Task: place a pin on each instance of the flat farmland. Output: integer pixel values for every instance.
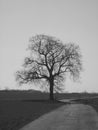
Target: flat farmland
(17, 108)
(15, 114)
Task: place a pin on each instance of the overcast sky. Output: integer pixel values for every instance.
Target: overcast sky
(69, 20)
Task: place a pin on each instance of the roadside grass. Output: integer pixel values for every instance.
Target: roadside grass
(14, 114)
(89, 101)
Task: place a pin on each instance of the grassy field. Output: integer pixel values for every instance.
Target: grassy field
(37, 95)
(15, 114)
(18, 108)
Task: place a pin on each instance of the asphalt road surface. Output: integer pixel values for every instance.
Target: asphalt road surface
(67, 117)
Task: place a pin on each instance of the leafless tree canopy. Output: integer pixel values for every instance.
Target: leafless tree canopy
(50, 60)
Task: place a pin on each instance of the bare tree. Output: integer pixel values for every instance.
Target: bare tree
(49, 61)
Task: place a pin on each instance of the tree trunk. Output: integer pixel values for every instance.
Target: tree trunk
(51, 90)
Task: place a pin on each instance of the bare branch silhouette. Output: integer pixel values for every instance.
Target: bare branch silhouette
(49, 61)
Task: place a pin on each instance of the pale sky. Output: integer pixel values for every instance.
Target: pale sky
(69, 20)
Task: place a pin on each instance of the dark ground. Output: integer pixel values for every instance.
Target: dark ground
(18, 108)
(15, 114)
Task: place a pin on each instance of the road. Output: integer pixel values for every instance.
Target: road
(67, 117)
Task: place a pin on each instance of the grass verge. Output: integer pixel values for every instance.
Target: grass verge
(15, 114)
(89, 101)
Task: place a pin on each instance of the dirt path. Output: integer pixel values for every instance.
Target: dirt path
(67, 117)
